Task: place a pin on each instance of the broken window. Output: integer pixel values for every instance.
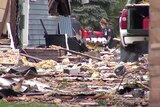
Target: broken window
(59, 7)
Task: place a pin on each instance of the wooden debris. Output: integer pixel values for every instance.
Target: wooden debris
(94, 84)
(9, 57)
(29, 56)
(74, 52)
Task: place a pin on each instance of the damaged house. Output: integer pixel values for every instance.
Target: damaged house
(20, 23)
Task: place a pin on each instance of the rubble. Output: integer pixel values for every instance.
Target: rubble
(9, 57)
(86, 82)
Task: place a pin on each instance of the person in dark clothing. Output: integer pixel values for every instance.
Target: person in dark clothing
(77, 32)
(107, 33)
(76, 26)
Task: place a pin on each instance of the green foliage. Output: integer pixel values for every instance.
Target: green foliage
(89, 14)
(7, 104)
(115, 13)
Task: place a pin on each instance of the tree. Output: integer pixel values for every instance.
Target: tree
(114, 13)
(89, 14)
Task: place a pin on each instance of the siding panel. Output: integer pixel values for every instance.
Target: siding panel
(65, 26)
(35, 37)
(35, 6)
(39, 2)
(39, 10)
(54, 22)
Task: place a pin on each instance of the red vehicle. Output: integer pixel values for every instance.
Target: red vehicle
(88, 34)
(98, 33)
(93, 36)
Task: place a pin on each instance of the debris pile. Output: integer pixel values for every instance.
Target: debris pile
(9, 57)
(86, 82)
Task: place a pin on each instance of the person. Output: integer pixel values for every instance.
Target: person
(77, 32)
(76, 27)
(107, 33)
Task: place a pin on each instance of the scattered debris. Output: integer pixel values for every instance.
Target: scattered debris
(87, 81)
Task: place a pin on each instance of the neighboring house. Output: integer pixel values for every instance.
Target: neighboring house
(25, 18)
(39, 9)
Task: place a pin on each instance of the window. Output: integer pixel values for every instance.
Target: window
(59, 7)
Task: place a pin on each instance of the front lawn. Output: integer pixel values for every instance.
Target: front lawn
(8, 104)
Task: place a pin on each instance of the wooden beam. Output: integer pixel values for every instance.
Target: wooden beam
(4, 9)
(77, 53)
(13, 16)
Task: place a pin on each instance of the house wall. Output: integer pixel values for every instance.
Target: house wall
(154, 53)
(38, 9)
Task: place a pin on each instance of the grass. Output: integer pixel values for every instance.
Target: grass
(8, 104)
